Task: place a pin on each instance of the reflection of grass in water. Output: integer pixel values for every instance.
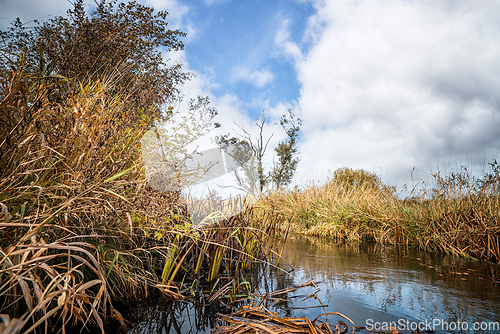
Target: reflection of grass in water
(167, 316)
(459, 215)
(395, 277)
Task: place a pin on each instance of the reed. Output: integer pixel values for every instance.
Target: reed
(257, 317)
(459, 214)
(79, 225)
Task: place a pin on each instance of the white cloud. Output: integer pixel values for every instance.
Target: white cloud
(258, 78)
(175, 10)
(283, 42)
(392, 84)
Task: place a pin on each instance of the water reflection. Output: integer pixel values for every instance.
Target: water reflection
(170, 317)
(368, 283)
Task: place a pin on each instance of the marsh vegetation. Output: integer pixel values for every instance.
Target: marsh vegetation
(457, 214)
(81, 228)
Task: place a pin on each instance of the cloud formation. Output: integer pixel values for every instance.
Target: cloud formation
(393, 84)
(258, 78)
(283, 41)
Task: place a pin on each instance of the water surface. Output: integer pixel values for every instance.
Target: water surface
(375, 286)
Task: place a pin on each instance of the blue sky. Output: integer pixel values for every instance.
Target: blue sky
(383, 85)
(234, 45)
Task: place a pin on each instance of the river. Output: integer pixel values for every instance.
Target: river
(375, 286)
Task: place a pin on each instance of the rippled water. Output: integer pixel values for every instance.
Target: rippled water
(376, 287)
(370, 284)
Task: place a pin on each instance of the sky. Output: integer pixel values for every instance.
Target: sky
(389, 86)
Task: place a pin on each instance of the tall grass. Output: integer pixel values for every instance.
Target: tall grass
(458, 214)
(79, 226)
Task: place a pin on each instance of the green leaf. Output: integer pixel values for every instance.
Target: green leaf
(120, 174)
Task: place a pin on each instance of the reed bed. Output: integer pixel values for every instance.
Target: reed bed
(459, 214)
(79, 226)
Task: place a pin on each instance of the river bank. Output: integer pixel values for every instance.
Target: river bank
(456, 215)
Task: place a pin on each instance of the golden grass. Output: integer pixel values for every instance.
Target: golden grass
(458, 215)
(79, 226)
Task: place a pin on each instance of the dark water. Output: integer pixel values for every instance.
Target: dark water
(376, 287)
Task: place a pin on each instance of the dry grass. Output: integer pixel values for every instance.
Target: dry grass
(53, 279)
(261, 320)
(257, 318)
(458, 215)
(79, 226)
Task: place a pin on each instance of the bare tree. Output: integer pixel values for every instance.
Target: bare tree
(249, 153)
